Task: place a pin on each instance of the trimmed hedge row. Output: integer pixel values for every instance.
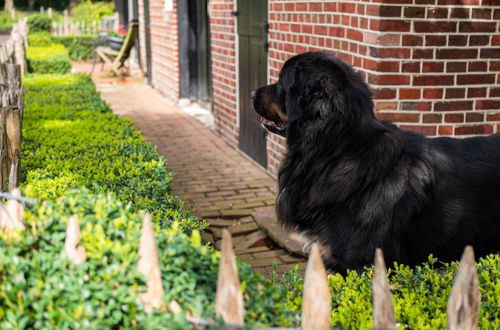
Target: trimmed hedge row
(48, 59)
(71, 139)
(79, 47)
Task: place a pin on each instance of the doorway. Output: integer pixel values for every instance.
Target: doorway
(194, 51)
(252, 60)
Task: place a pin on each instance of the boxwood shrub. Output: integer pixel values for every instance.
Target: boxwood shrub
(39, 22)
(71, 139)
(48, 59)
(6, 21)
(79, 47)
(40, 39)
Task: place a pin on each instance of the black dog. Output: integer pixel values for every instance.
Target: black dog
(353, 183)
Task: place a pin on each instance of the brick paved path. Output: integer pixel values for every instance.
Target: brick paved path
(225, 186)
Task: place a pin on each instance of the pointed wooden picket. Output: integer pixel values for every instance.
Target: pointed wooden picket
(383, 311)
(75, 252)
(12, 212)
(228, 299)
(316, 303)
(465, 299)
(149, 266)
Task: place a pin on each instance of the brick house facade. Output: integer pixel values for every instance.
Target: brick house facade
(433, 65)
(164, 48)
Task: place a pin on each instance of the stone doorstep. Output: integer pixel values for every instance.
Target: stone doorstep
(266, 219)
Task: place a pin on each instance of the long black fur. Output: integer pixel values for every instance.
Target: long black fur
(354, 183)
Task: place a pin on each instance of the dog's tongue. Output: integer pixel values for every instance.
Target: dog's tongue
(268, 122)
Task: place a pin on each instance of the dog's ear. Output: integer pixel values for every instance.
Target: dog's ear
(314, 101)
(325, 98)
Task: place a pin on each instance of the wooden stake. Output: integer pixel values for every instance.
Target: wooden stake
(12, 213)
(149, 266)
(316, 303)
(383, 311)
(465, 299)
(75, 253)
(228, 299)
(12, 113)
(66, 19)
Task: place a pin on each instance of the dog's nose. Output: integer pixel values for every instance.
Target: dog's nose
(253, 94)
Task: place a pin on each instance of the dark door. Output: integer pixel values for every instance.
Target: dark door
(194, 50)
(252, 33)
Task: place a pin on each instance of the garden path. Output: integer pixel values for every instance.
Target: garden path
(225, 187)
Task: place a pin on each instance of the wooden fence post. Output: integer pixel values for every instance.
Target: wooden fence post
(316, 303)
(465, 299)
(12, 110)
(66, 19)
(20, 52)
(76, 253)
(149, 266)
(228, 298)
(383, 311)
(49, 12)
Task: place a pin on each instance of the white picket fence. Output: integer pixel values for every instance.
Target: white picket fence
(66, 28)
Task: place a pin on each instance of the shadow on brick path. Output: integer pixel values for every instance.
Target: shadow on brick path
(225, 186)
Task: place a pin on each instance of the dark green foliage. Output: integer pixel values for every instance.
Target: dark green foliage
(71, 139)
(54, 4)
(89, 11)
(79, 47)
(39, 23)
(48, 59)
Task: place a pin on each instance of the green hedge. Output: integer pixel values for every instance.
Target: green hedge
(71, 139)
(6, 21)
(48, 59)
(39, 22)
(79, 47)
(40, 39)
(42, 289)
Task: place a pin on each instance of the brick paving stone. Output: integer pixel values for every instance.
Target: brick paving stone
(253, 250)
(264, 262)
(224, 185)
(243, 228)
(269, 254)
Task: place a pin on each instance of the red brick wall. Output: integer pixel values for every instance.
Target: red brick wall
(433, 65)
(224, 69)
(164, 48)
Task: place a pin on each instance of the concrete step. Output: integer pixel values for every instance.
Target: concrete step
(267, 221)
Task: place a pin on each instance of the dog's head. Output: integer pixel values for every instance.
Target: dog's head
(315, 92)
